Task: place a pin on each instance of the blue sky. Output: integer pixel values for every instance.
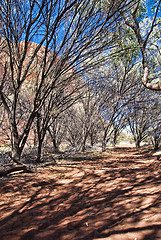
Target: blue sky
(150, 4)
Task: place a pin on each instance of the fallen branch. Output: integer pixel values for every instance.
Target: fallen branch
(15, 169)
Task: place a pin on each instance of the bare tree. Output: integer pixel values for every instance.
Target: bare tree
(55, 104)
(118, 125)
(57, 131)
(83, 121)
(138, 125)
(138, 116)
(90, 118)
(67, 35)
(116, 86)
(155, 134)
(154, 130)
(74, 126)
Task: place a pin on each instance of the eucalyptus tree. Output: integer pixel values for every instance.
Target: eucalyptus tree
(83, 121)
(148, 38)
(74, 125)
(137, 120)
(67, 35)
(58, 101)
(118, 125)
(90, 118)
(57, 131)
(154, 130)
(139, 115)
(4, 127)
(155, 134)
(116, 85)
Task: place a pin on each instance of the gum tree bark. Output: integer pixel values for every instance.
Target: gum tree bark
(134, 25)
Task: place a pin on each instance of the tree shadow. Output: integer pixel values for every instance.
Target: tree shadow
(93, 200)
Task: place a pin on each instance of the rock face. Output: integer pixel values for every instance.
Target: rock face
(34, 70)
(32, 79)
(11, 77)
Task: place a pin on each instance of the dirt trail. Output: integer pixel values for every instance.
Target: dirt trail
(114, 195)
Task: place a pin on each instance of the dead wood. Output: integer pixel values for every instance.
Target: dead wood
(17, 168)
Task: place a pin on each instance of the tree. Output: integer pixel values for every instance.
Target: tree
(90, 118)
(83, 121)
(138, 123)
(67, 35)
(54, 105)
(58, 130)
(115, 84)
(132, 19)
(118, 125)
(154, 130)
(74, 126)
(139, 114)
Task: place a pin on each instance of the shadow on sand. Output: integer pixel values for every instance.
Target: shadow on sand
(108, 197)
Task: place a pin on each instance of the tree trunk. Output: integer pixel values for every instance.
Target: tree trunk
(83, 147)
(39, 150)
(104, 142)
(137, 143)
(18, 142)
(92, 141)
(15, 169)
(16, 150)
(56, 148)
(16, 155)
(16, 158)
(103, 145)
(156, 144)
(115, 137)
(53, 138)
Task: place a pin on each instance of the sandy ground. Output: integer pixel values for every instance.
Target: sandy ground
(114, 195)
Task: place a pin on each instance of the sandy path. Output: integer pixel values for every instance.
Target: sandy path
(114, 195)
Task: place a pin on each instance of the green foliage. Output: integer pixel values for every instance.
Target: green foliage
(142, 11)
(126, 45)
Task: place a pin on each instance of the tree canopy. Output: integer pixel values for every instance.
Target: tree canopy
(56, 54)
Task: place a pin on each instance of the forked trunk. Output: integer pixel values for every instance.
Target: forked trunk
(16, 156)
(83, 147)
(16, 150)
